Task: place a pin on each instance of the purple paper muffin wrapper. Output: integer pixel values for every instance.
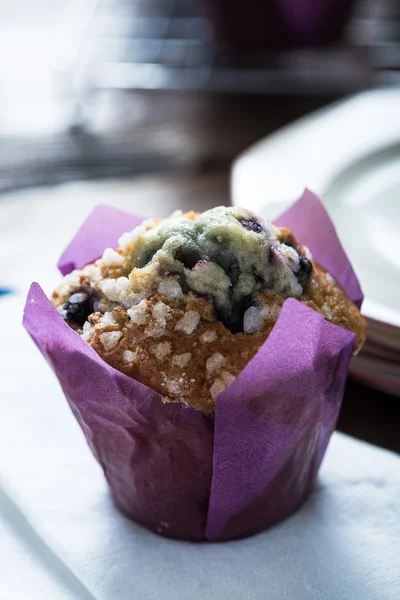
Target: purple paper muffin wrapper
(192, 476)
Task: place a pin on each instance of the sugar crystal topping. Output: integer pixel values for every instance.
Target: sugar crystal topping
(110, 339)
(225, 254)
(189, 322)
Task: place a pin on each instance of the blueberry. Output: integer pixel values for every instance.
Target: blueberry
(188, 255)
(233, 271)
(252, 225)
(80, 305)
(305, 270)
(272, 256)
(145, 258)
(234, 322)
(228, 262)
(247, 302)
(202, 263)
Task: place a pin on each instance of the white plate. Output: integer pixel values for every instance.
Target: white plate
(349, 154)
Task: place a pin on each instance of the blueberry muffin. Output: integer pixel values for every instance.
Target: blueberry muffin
(184, 303)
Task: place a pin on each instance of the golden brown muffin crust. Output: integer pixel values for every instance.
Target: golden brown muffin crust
(194, 367)
(177, 345)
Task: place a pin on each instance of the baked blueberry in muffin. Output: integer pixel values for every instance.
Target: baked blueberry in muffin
(184, 303)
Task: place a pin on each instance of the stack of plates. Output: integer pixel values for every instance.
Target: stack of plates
(349, 154)
(379, 362)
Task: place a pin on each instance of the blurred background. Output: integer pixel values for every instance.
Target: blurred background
(97, 88)
(145, 104)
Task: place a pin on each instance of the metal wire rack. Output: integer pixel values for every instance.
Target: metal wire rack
(169, 45)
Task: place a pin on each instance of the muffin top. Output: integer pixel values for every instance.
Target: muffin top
(184, 303)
